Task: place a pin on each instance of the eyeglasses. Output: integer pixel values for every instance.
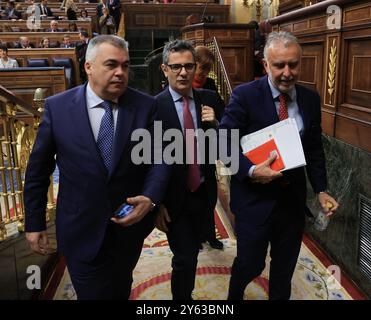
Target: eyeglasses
(177, 67)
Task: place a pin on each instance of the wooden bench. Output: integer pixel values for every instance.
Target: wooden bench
(21, 25)
(23, 54)
(55, 5)
(35, 37)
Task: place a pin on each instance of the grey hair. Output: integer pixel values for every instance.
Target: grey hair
(282, 36)
(177, 46)
(91, 51)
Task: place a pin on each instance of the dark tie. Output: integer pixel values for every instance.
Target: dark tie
(194, 179)
(282, 111)
(105, 135)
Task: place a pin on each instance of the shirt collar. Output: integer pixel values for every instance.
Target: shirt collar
(92, 97)
(276, 92)
(177, 96)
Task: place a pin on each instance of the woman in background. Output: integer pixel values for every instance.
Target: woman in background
(44, 43)
(106, 23)
(84, 15)
(204, 61)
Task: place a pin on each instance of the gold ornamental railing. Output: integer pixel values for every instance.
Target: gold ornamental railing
(19, 122)
(219, 72)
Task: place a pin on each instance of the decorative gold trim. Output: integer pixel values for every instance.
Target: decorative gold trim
(331, 70)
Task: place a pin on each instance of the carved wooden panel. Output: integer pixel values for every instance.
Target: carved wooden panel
(353, 131)
(170, 16)
(357, 15)
(236, 46)
(146, 19)
(23, 83)
(358, 73)
(312, 66)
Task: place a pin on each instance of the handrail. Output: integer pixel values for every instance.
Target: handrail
(18, 125)
(153, 53)
(8, 96)
(302, 12)
(219, 72)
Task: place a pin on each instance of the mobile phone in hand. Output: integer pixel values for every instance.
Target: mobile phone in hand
(123, 210)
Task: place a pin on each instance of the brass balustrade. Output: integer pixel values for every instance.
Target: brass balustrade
(19, 123)
(219, 72)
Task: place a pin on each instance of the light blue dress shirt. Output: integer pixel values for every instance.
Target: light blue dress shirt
(96, 111)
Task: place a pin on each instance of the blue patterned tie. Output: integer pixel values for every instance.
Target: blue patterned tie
(105, 135)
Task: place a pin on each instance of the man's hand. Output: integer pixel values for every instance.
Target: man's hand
(162, 219)
(208, 114)
(328, 203)
(142, 205)
(38, 241)
(263, 173)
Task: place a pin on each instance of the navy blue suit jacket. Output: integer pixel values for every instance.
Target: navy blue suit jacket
(252, 108)
(175, 195)
(88, 194)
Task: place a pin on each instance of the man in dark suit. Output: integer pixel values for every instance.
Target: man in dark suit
(44, 9)
(192, 190)
(270, 206)
(54, 27)
(86, 131)
(11, 13)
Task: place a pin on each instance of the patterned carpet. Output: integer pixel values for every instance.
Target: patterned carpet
(311, 279)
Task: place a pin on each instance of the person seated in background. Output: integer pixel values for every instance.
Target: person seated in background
(84, 15)
(54, 27)
(106, 23)
(11, 13)
(23, 43)
(44, 43)
(72, 27)
(67, 43)
(5, 61)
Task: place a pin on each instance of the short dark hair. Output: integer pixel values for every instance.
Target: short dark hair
(84, 33)
(177, 46)
(4, 48)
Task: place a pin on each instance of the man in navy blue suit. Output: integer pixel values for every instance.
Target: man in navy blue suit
(270, 206)
(192, 190)
(86, 131)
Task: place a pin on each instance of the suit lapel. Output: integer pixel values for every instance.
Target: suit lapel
(269, 108)
(198, 101)
(79, 114)
(125, 119)
(170, 113)
(302, 107)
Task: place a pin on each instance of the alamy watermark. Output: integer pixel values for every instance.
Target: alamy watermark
(159, 146)
(34, 280)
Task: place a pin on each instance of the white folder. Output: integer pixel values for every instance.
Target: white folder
(287, 138)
